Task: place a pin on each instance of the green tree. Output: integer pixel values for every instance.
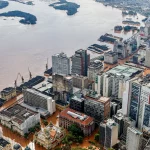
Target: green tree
(96, 138)
(75, 130)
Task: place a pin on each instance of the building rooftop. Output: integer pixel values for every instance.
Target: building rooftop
(33, 91)
(18, 113)
(110, 53)
(50, 132)
(7, 90)
(76, 116)
(111, 123)
(136, 131)
(43, 86)
(61, 55)
(103, 99)
(3, 143)
(125, 70)
(96, 64)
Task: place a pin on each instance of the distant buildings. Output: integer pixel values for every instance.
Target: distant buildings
(69, 116)
(80, 81)
(4, 144)
(19, 119)
(110, 57)
(98, 109)
(147, 58)
(94, 68)
(134, 139)
(8, 93)
(50, 136)
(36, 99)
(108, 133)
(60, 64)
(80, 62)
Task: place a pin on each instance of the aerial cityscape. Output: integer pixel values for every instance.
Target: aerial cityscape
(75, 75)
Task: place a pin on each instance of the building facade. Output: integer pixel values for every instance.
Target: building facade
(94, 68)
(61, 64)
(80, 81)
(134, 139)
(19, 118)
(98, 109)
(50, 136)
(8, 93)
(69, 116)
(36, 99)
(110, 57)
(147, 56)
(80, 62)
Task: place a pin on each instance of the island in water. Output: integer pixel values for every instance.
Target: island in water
(70, 7)
(28, 18)
(3, 4)
(26, 3)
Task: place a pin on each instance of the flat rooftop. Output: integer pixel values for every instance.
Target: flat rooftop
(103, 99)
(125, 70)
(3, 143)
(76, 116)
(18, 113)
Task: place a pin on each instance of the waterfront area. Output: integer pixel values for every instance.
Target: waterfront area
(74, 75)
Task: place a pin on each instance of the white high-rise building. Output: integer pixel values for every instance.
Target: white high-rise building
(113, 82)
(147, 27)
(134, 139)
(111, 137)
(60, 64)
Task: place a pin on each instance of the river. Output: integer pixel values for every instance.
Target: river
(23, 46)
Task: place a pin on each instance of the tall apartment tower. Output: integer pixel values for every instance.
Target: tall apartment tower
(134, 139)
(147, 60)
(60, 64)
(80, 62)
(111, 133)
(147, 27)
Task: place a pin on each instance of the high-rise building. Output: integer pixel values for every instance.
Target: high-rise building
(134, 139)
(63, 87)
(110, 57)
(94, 68)
(147, 27)
(60, 64)
(118, 118)
(98, 109)
(137, 95)
(127, 122)
(80, 62)
(147, 56)
(36, 99)
(80, 81)
(146, 118)
(99, 83)
(111, 133)
(102, 135)
(114, 80)
(77, 103)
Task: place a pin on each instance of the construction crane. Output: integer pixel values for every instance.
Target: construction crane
(17, 79)
(47, 64)
(30, 75)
